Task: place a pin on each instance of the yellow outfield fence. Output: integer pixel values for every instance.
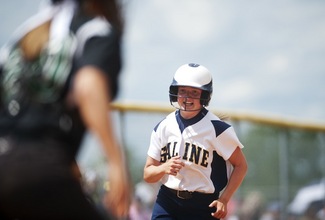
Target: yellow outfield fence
(267, 119)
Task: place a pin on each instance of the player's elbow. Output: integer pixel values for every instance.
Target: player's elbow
(150, 177)
(242, 168)
(147, 177)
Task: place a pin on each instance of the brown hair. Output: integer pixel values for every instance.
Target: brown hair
(110, 9)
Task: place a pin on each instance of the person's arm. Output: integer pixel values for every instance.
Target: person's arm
(238, 161)
(154, 170)
(91, 94)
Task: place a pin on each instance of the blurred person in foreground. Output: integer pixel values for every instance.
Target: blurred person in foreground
(196, 156)
(58, 74)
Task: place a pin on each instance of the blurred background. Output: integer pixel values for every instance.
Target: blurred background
(267, 59)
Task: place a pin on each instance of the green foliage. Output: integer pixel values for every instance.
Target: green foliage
(263, 148)
(262, 154)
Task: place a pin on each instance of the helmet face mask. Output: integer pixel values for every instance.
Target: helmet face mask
(195, 76)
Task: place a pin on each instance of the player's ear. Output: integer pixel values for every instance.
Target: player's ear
(173, 91)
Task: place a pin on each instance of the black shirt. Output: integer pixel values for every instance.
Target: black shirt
(99, 45)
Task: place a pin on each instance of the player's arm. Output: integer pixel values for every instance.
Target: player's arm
(154, 170)
(238, 161)
(92, 95)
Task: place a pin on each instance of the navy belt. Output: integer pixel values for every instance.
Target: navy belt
(184, 194)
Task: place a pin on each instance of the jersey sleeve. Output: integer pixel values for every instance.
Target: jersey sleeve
(156, 144)
(154, 147)
(101, 48)
(227, 142)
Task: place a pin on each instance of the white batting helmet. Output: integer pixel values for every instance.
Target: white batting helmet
(192, 75)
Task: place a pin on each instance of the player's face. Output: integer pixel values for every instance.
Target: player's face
(189, 98)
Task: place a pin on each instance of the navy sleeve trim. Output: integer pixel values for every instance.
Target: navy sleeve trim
(219, 126)
(156, 127)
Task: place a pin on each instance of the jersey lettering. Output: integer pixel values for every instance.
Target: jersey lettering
(187, 145)
(195, 154)
(192, 153)
(166, 152)
(205, 156)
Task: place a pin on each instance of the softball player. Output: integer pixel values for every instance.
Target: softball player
(196, 156)
(58, 74)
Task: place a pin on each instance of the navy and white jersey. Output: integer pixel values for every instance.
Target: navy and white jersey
(204, 143)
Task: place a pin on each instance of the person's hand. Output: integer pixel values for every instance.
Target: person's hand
(118, 197)
(221, 209)
(173, 166)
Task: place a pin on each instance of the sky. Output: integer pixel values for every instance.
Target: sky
(266, 56)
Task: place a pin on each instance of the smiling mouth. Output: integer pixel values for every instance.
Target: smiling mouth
(187, 105)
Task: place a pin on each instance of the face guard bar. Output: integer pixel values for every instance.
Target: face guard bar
(174, 102)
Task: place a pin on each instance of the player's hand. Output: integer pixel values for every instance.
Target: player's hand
(118, 197)
(221, 209)
(174, 165)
